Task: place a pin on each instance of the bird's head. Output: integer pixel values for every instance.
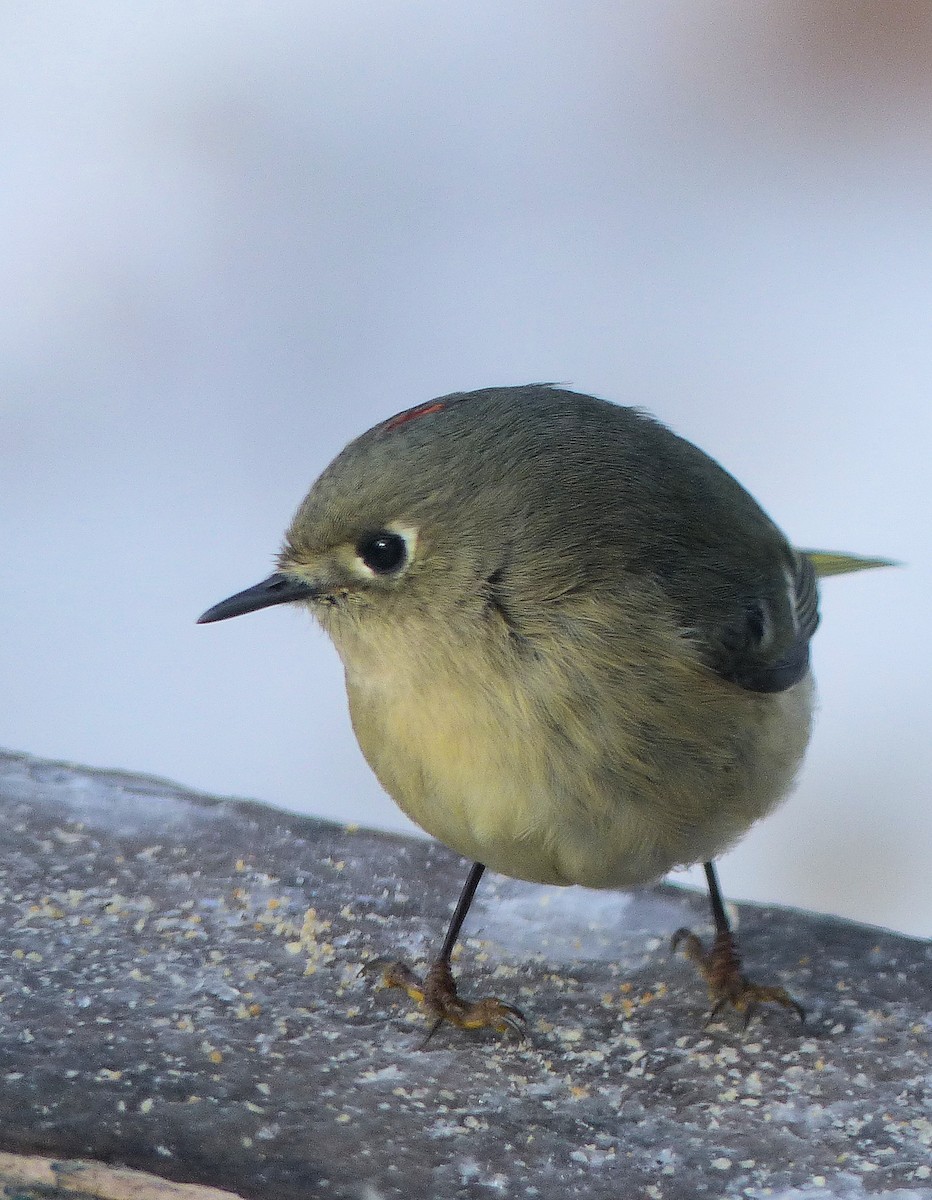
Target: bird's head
(395, 528)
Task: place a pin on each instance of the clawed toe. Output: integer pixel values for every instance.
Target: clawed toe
(728, 986)
(438, 996)
(396, 975)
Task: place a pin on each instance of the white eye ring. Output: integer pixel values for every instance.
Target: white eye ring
(385, 552)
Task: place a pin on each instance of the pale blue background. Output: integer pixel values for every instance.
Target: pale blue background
(236, 234)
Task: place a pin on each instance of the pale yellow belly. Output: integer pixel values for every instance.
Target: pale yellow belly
(481, 773)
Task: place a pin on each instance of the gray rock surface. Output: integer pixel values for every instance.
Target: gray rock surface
(180, 993)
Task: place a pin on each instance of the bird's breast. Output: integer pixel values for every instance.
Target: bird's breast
(548, 773)
(463, 759)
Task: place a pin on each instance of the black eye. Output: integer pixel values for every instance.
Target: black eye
(382, 552)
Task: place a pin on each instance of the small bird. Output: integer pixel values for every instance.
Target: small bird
(576, 649)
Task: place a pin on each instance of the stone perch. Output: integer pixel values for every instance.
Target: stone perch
(184, 1018)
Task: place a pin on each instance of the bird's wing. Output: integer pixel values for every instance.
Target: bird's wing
(764, 645)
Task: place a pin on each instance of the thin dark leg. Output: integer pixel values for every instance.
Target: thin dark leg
(459, 914)
(719, 916)
(721, 966)
(440, 989)
(437, 991)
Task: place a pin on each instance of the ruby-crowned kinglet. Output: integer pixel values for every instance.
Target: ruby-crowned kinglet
(576, 649)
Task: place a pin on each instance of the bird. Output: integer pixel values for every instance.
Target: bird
(576, 650)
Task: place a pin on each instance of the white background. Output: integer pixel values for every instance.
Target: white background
(235, 235)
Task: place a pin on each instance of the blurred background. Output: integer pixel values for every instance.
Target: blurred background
(235, 235)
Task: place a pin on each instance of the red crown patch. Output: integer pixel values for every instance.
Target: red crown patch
(411, 414)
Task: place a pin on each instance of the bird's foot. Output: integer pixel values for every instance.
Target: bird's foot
(721, 969)
(437, 995)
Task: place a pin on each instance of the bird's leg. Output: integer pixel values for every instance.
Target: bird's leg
(437, 994)
(721, 965)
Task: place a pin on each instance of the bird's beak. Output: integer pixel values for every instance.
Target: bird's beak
(277, 589)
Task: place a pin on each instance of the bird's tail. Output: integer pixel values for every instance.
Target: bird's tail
(828, 562)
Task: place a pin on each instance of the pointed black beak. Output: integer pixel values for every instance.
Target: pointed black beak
(277, 589)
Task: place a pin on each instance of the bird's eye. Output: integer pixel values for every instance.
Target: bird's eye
(382, 552)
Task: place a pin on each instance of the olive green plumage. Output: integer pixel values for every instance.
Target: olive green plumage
(576, 649)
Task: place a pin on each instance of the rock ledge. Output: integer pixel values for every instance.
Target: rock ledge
(180, 994)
